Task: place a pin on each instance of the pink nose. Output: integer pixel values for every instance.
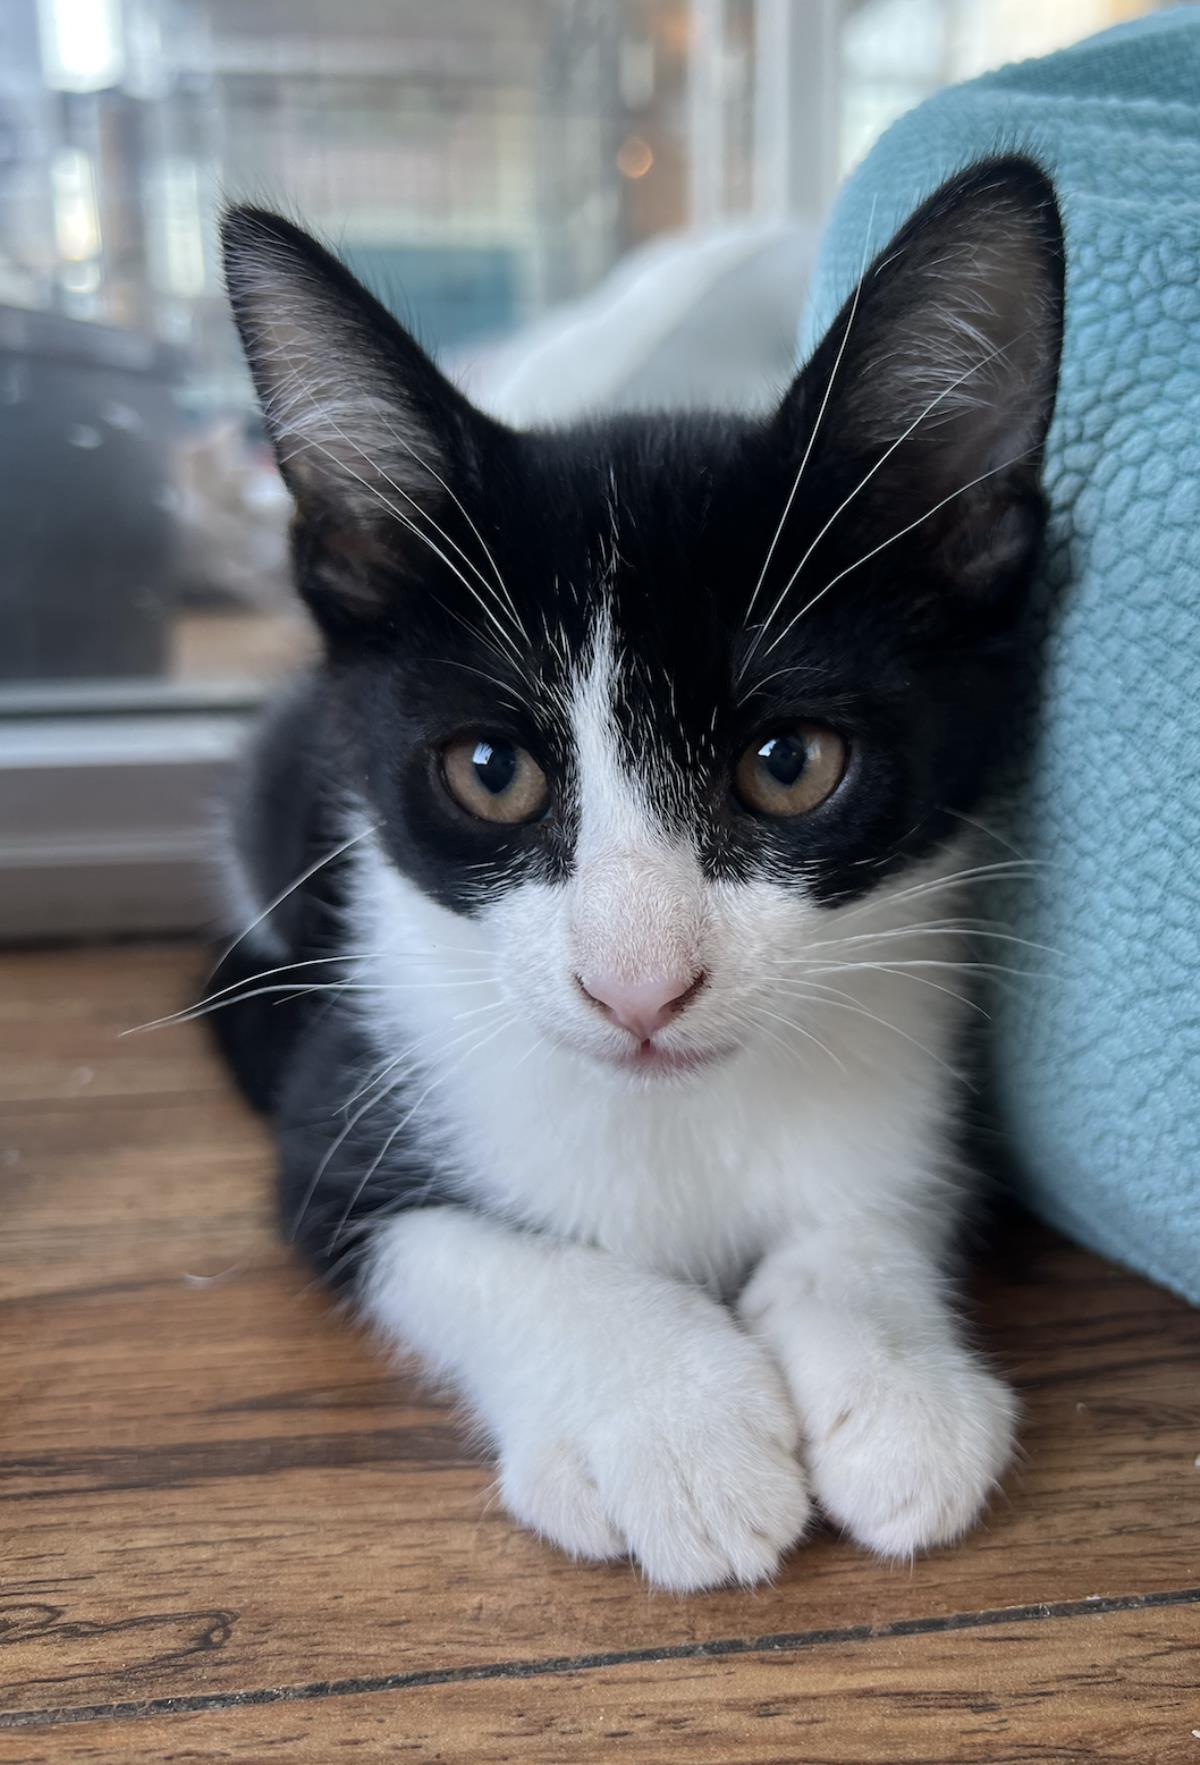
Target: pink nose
(641, 1007)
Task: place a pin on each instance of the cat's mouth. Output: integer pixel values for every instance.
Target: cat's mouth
(650, 1060)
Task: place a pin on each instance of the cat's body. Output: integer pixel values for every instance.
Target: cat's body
(628, 807)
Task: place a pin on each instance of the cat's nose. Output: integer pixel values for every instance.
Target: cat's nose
(641, 1007)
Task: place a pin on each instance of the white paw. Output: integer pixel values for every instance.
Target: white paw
(691, 1468)
(547, 1486)
(909, 1459)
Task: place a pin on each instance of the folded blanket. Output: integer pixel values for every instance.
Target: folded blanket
(1097, 1065)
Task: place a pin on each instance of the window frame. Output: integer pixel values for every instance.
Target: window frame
(111, 820)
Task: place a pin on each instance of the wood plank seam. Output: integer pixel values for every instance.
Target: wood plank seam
(554, 1667)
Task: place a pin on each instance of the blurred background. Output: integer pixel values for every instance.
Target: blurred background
(573, 203)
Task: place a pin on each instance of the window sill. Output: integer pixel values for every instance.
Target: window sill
(110, 823)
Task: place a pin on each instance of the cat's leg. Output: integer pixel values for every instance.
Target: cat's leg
(907, 1431)
(629, 1411)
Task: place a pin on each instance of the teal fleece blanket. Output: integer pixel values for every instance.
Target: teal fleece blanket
(1097, 1064)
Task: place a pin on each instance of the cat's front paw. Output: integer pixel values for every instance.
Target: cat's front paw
(909, 1459)
(699, 1480)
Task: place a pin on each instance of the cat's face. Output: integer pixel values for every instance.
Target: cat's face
(664, 706)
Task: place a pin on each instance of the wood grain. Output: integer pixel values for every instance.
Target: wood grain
(212, 1487)
(1110, 1687)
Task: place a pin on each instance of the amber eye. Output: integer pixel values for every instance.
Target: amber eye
(792, 772)
(494, 779)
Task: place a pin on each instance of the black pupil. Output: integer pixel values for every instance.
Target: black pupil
(495, 766)
(784, 757)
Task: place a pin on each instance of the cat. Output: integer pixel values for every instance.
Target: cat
(614, 865)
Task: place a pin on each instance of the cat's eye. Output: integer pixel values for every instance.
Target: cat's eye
(494, 780)
(791, 772)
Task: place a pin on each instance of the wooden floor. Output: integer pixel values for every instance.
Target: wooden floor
(231, 1532)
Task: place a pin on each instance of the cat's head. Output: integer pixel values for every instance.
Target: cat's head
(658, 703)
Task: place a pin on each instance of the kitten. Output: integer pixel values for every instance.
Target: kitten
(613, 864)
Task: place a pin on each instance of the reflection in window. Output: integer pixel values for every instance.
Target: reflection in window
(476, 164)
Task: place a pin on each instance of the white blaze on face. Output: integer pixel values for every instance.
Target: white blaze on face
(636, 911)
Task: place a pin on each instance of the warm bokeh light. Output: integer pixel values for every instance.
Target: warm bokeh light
(634, 157)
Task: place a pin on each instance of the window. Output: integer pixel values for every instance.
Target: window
(477, 164)
(502, 173)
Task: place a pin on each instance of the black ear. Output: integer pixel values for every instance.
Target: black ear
(941, 369)
(367, 432)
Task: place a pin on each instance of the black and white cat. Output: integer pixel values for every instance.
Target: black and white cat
(613, 863)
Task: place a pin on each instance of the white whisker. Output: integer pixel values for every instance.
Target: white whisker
(300, 989)
(1012, 867)
(433, 1085)
(883, 1022)
(332, 1149)
(886, 455)
(964, 967)
(311, 442)
(450, 662)
(520, 624)
(477, 1010)
(379, 1075)
(883, 545)
(837, 362)
(760, 1010)
(934, 929)
(425, 514)
(812, 978)
(158, 1023)
(511, 651)
(283, 894)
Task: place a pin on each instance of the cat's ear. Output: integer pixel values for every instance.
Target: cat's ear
(939, 374)
(368, 434)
